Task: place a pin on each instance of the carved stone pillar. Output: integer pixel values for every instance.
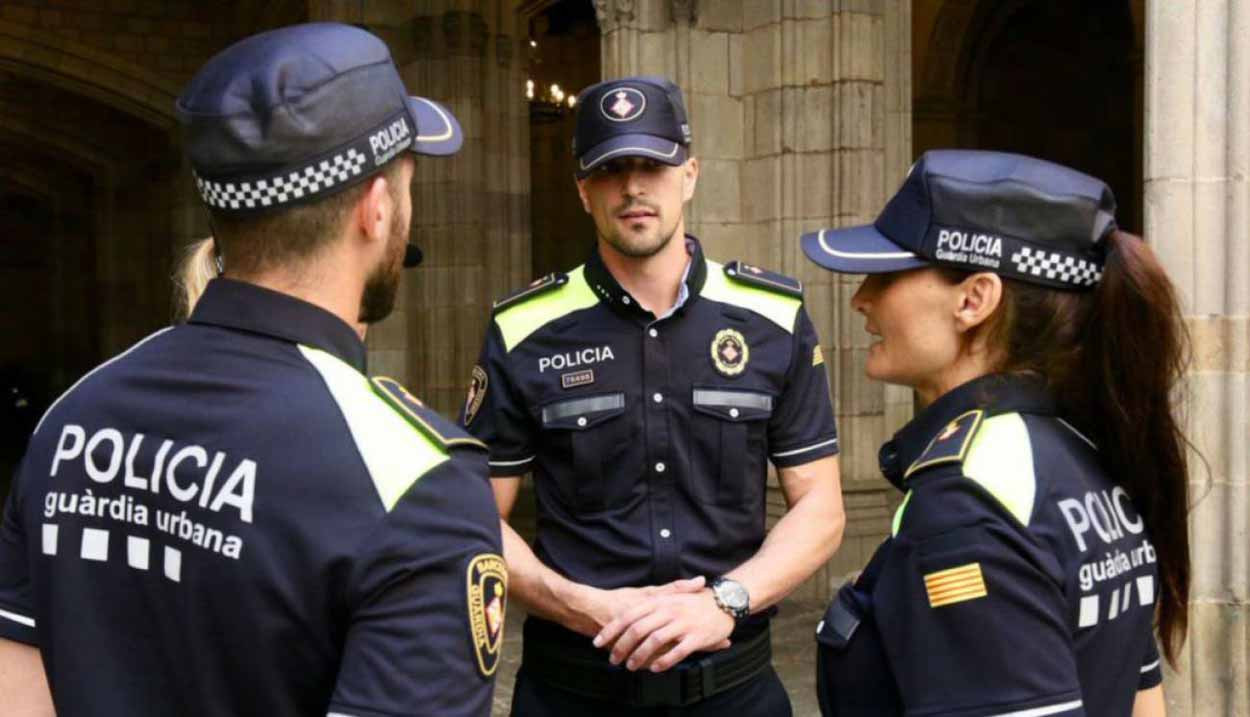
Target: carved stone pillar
(470, 211)
(1197, 216)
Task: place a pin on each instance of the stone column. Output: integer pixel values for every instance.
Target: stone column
(1197, 216)
(470, 211)
(801, 114)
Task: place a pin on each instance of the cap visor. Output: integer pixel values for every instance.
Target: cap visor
(858, 250)
(632, 145)
(438, 132)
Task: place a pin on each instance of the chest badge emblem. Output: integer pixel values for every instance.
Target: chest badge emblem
(730, 352)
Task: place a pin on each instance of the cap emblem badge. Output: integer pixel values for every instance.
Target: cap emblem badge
(730, 352)
(623, 104)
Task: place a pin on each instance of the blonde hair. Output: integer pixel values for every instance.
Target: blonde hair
(197, 267)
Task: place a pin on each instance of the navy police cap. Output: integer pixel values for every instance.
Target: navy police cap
(299, 113)
(1017, 216)
(630, 117)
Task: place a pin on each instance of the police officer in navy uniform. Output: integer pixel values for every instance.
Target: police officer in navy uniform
(231, 518)
(646, 391)
(1042, 532)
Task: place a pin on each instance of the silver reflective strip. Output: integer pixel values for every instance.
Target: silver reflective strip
(1044, 711)
(582, 406)
(21, 619)
(797, 451)
(707, 397)
(338, 714)
(511, 463)
(1148, 668)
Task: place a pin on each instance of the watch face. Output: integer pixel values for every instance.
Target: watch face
(733, 595)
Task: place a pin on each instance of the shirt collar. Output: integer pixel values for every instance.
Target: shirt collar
(995, 393)
(614, 295)
(247, 307)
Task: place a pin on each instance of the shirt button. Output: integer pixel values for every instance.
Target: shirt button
(653, 333)
(581, 421)
(625, 300)
(657, 398)
(659, 467)
(733, 413)
(665, 533)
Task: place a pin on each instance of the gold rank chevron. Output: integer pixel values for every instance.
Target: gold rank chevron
(946, 587)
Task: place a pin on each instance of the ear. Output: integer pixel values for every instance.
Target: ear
(690, 178)
(374, 210)
(581, 193)
(979, 296)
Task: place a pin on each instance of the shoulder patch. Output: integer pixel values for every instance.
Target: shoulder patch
(544, 301)
(539, 286)
(764, 279)
(428, 422)
(487, 590)
(951, 444)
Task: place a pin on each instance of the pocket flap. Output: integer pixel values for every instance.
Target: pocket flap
(841, 620)
(583, 412)
(733, 405)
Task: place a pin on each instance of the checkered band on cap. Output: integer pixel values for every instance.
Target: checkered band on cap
(284, 188)
(1062, 268)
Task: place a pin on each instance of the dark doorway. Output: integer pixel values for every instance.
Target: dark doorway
(1057, 79)
(564, 59)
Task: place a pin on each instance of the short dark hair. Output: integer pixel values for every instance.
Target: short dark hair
(251, 245)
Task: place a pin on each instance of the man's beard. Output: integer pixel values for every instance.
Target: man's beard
(634, 245)
(382, 286)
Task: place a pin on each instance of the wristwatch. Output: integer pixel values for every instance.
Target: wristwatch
(731, 597)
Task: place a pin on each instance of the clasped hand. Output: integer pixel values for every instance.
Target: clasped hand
(658, 627)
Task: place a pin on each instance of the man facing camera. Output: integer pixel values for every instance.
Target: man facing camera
(646, 391)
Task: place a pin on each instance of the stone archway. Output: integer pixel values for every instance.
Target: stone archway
(1059, 80)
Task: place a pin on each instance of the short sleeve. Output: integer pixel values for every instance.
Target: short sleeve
(802, 428)
(427, 603)
(973, 627)
(17, 608)
(1151, 666)
(495, 413)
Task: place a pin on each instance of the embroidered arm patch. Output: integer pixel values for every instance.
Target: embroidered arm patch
(487, 590)
(954, 585)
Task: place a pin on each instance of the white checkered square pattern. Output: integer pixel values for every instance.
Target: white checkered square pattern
(1056, 267)
(284, 188)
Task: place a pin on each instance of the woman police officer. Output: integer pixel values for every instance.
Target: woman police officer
(1043, 528)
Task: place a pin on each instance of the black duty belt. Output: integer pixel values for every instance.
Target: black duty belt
(585, 670)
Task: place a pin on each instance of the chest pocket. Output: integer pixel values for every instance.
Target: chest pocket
(731, 433)
(585, 434)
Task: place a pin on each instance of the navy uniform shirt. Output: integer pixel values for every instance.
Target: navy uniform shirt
(649, 437)
(1019, 578)
(231, 519)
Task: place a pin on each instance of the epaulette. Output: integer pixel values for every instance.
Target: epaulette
(433, 426)
(951, 445)
(537, 287)
(764, 279)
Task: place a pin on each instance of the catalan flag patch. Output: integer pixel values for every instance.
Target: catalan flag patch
(947, 587)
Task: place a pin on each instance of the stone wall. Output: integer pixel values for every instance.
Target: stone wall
(801, 118)
(1197, 211)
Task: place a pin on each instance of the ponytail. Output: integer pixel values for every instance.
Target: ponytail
(1128, 389)
(1114, 358)
(197, 268)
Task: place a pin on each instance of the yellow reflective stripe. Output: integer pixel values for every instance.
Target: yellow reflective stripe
(1000, 459)
(898, 514)
(395, 453)
(517, 322)
(780, 309)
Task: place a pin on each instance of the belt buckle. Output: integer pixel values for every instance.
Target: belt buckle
(661, 689)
